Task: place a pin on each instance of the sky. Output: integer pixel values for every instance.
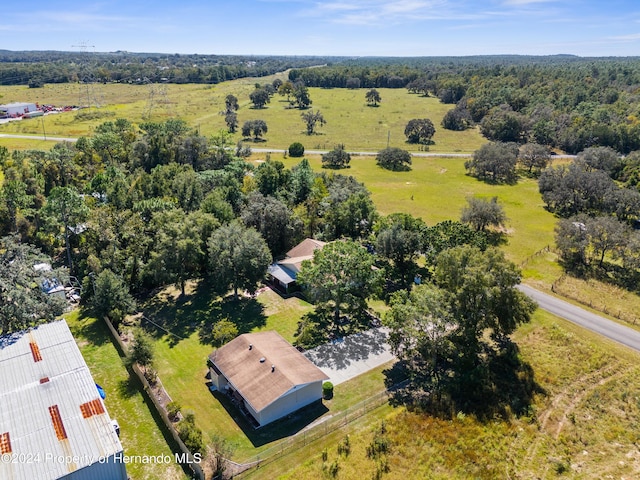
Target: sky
(332, 27)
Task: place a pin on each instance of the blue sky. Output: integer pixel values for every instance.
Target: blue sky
(333, 27)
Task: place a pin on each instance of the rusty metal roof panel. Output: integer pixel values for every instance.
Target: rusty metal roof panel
(45, 420)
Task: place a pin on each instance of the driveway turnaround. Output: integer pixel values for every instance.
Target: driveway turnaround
(348, 357)
(596, 323)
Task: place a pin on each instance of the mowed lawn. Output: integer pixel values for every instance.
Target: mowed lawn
(181, 365)
(182, 362)
(139, 432)
(350, 121)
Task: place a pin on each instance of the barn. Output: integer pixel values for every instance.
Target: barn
(54, 422)
(266, 375)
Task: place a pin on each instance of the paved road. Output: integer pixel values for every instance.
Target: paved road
(38, 137)
(605, 327)
(365, 153)
(280, 150)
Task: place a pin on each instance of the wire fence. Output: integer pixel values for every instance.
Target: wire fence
(315, 432)
(542, 251)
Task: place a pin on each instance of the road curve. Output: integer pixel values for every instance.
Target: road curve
(596, 323)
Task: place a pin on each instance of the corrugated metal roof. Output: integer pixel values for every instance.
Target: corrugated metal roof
(281, 273)
(46, 419)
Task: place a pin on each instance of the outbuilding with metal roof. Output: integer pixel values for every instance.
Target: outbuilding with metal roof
(53, 423)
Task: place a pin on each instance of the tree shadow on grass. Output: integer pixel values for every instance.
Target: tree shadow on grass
(282, 428)
(127, 388)
(91, 328)
(245, 313)
(178, 315)
(198, 311)
(502, 386)
(496, 238)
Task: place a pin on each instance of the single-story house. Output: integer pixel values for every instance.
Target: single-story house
(53, 418)
(266, 374)
(283, 273)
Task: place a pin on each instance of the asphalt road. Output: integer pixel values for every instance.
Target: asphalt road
(279, 150)
(605, 327)
(38, 137)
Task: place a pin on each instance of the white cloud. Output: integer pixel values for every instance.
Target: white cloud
(627, 38)
(380, 12)
(519, 3)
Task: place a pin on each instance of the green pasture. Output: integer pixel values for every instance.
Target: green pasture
(436, 189)
(139, 432)
(350, 121)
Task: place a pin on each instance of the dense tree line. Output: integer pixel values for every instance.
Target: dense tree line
(146, 205)
(565, 102)
(139, 206)
(23, 67)
(598, 204)
(136, 207)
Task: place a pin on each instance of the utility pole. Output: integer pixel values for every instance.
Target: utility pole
(84, 74)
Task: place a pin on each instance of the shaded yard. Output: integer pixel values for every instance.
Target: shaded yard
(139, 432)
(181, 362)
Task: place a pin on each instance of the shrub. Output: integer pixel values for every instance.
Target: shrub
(223, 331)
(173, 409)
(327, 390)
(379, 446)
(333, 468)
(344, 447)
(336, 158)
(296, 149)
(190, 434)
(142, 349)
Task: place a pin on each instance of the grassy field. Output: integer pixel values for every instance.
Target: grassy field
(436, 189)
(583, 426)
(138, 430)
(349, 120)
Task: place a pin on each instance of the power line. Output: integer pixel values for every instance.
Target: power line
(91, 96)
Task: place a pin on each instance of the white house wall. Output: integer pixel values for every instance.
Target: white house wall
(218, 380)
(291, 401)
